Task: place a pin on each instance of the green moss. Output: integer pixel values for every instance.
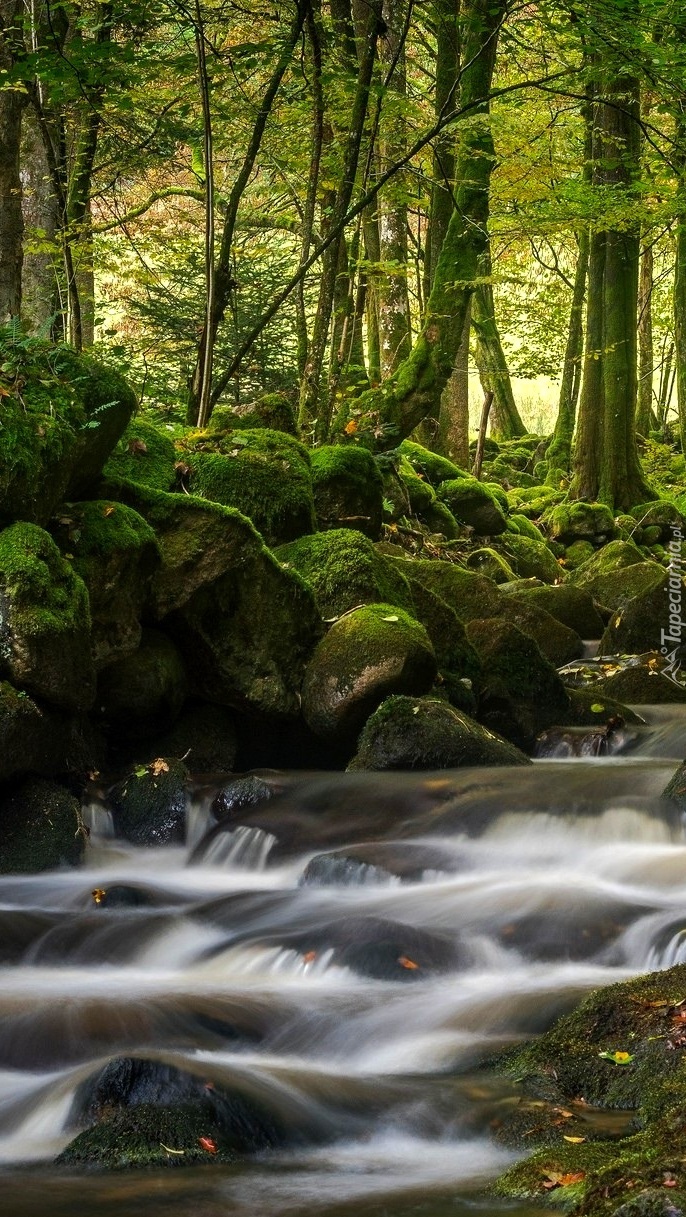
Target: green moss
(40, 828)
(574, 521)
(264, 474)
(355, 464)
(441, 520)
(533, 501)
(454, 652)
(530, 558)
(344, 570)
(421, 494)
(272, 410)
(348, 488)
(95, 530)
(435, 468)
(578, 553)
(144, 454)
(569, 605)
(468, 594)
(488, 562)
(526, 528)
(473, 503)
(137, 1137)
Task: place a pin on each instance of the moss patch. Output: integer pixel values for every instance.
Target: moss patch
(41, 829)
(144, 454)
(344, 570)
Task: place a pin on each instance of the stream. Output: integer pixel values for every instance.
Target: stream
(280, 959)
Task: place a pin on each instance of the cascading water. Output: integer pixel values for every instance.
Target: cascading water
(346, 958)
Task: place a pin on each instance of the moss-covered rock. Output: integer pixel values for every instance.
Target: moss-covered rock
(367, 655)
(530, 558)
(263, 474)
(580, 521)
(37, 740)
(348, 489)
(149, 806)
(244, 625)
(569, 605)
(454, 653)
(589, 710)
(344, 570)
(616, 588)
(141, 694)
(440, 519)
(144, 454)
(578, 553)
(521, 693)
(616, 1051)
(40, 828)
(61, 416)
(420, 492)
(660, 520)
(45, 620)
(641, 685)
(489, 563)
(639, 625)
(145, 1113)
(272, 410)
(427, 733)
(115, 552)
(533, 501)
(474, 504)
(612, 557)
(434, 468)
(525, 527)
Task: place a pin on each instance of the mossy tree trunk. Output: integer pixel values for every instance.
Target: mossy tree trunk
(559, 452)
(606, 459)
(680, 281)
(12, 103)
(446, 14)
(415, 389)
(491, 360)
(40, 298)
(453, 420)
(645, 415)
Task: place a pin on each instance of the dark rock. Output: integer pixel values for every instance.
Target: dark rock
(642, 621)
(149, 806)
(425, 733)
(455, 654)
(521, 693)
(675, 790)
(384, 950)
(610, 739)
(141, 695)
(348, 489)
(376, 862)
(44, 620)
(240, 795)
(368, 654)
(40, 828)
(344, 570)
(114, 551)
(616, 588)
(204, 736)
(474, 504)
(587, 710)
(34, 739)
(641, 686)
(571, 606)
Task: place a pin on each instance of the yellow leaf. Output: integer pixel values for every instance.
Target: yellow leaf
(574, 1140)
(351, 427)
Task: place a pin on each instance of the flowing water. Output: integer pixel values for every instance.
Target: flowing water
(280, 959)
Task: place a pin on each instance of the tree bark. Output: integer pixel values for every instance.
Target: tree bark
(645, 415)
(559, 452)
(446, 15)
(12, 102)
(453, 420)
(395, 337)
(40, 299)
(680, 283)
(491, 361)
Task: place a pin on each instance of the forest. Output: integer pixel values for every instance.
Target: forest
(352, 205)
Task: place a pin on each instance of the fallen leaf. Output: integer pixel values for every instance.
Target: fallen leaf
(157, 767)
(136, 446)
(394, 617)
(574, 1140)
(617, 1058)
(208, 1144)
(351, 427)
(597, 707)
(108, 511)
(309, 956)
(169, 1149)
(98, 894)
(408, 963)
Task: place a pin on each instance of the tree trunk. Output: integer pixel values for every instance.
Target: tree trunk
(394, 302)
(416, 386)
(645, 415)
(12, 103)
(453, 420)
(680, 283)
(559, 452)
(491, 361)
(446, 17)
(591, 405)
(40, 298)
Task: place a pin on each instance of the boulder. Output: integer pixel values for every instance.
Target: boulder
(368, 654)
(40, 828)
(571, 606)
(144, 455)
(426, 733)
(530, 558)
(348, 489)
(521, 693)
(244, 625)
(45, 620)
(114, 551)
(640, 624)
(580, 521)
(149, 806)
(489, 563)
(381, 949)
(641, 685)
(35, 739)
(62, 414)
(344, 570)
(440, 519)
(430, 465)
(578, 553)
(454, 652)
(263, 474)
(661, 519)
(675, 790)
(525, 527)
(420, 492)
(272, 410)
(618, 588)
(474, 504)
(141, 695)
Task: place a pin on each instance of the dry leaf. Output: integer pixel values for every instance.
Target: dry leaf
(351, 427)
(208, 1144)
(108, 511)
(574, 1140)
(157, 767)
(309, 956)
(408, 963)
(98, 894)
(136, 446)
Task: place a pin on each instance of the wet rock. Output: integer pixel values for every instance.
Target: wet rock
(348, 489)
(140, 695)
(474, 504)
(58, 432)
(140, 1111)
(455, 655)
(240, 795)
(344, 570)
(149, 806)
(122, 896)
(425, 733)
(571, 606)
(114, 551)
(367, 655)
(521, 693)
(383, 950)
(641, 685)
(675, 790)
(608, 739)
(580, 521)
(588, 710)
(144, 455)
(377, 862)
(263, 474)
(40, 828)
(45, 620)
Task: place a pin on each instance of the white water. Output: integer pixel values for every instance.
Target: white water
(540, 883)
